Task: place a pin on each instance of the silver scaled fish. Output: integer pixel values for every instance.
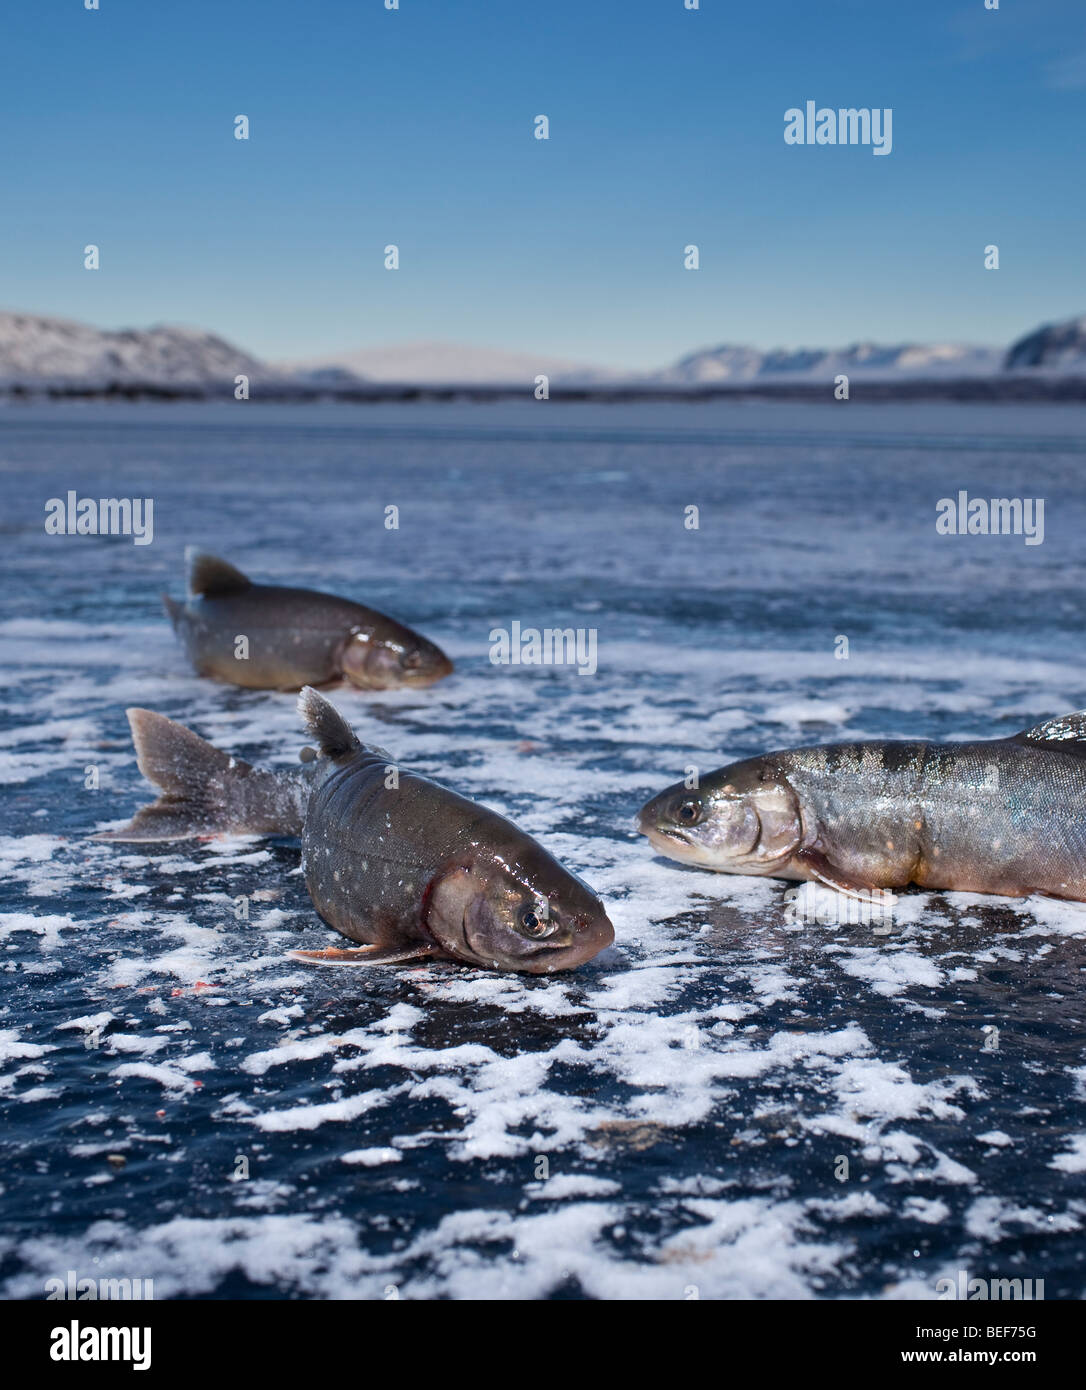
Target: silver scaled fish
(1004, 816)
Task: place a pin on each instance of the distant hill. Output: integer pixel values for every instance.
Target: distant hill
(59, 356)
(449, 363)
(1055, 346)
(37, 352)
(742, 364)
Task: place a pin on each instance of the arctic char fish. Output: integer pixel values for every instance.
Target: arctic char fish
(1007, 816)
(271, 638)
(394, 861)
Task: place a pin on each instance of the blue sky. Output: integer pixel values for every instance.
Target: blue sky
(666, 128)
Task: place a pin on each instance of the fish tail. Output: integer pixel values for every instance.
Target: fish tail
(204, 790)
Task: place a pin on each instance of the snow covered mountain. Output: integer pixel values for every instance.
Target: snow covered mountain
(1056, 346)
(37, 351)
(741, 364)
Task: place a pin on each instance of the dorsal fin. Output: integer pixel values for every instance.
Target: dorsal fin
(212, 577)
(1067, 733)
(331, 732)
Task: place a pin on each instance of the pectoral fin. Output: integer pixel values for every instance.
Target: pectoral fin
(827, 873)
(365, 955)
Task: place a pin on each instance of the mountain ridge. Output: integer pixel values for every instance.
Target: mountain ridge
(40, 352)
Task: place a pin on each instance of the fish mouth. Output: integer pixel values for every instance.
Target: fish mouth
(431, 674)
(398, 680)
(646, 822)
(418, 677)
(673, 842)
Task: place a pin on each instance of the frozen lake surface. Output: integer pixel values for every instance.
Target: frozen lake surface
(671, 1119)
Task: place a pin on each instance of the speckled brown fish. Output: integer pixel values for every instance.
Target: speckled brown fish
(394, 861)
(271, 638)
(1007, 816)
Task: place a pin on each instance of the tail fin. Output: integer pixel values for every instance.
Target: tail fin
(334, 736)
(204, 790)
(209, 575)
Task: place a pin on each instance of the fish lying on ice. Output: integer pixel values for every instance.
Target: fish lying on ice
(271, 638)
(1006, 816)
(410, 869)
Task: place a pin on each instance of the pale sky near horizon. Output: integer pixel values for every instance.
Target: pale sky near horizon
(415, 127)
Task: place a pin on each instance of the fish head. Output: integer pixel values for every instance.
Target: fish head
(744, 819)
(513, 916)
(390, 657)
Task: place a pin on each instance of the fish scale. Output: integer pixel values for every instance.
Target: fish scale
(1003, 816)
(266, 637)
(402, 865)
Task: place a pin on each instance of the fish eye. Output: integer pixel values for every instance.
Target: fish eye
(411, 659)
(532, 922)
(688, 811)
